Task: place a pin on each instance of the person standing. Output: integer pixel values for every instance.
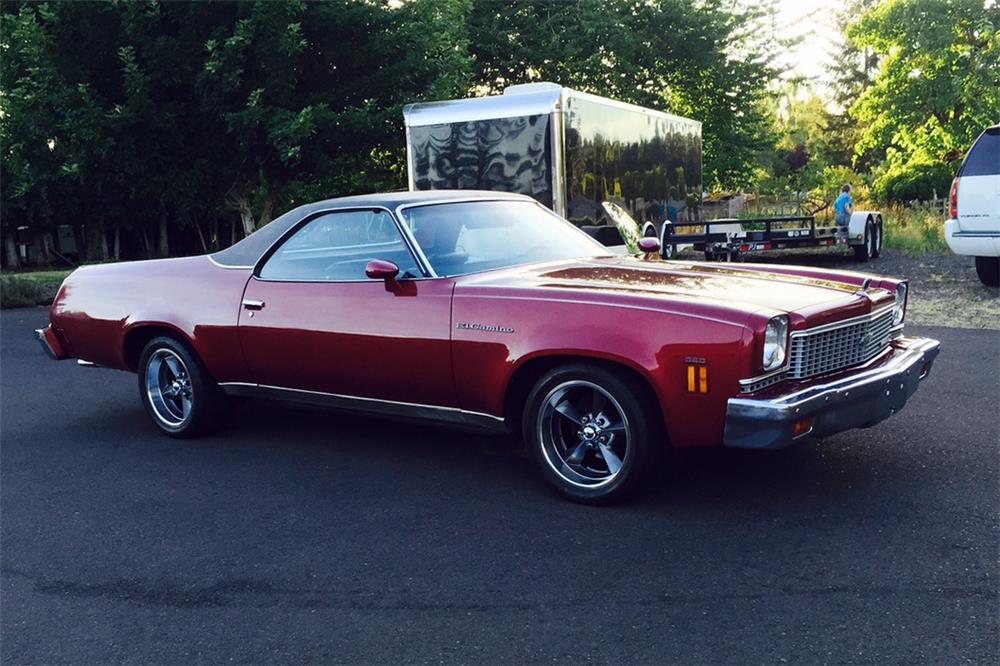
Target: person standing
(844, 205)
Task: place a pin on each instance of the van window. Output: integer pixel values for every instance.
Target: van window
(984, 157)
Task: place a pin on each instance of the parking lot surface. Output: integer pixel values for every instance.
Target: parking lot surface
(304, 536)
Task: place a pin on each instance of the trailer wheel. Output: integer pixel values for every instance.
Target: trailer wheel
(866, 251)
(879, 236)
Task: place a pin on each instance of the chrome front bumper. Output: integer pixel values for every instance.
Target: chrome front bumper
(856, 400)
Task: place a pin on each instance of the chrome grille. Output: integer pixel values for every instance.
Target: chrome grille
(835, 347)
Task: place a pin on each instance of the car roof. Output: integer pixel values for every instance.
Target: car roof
(393, 200)
(248, 251)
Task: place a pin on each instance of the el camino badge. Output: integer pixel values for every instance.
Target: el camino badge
(483, 327)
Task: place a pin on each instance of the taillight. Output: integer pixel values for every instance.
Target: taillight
(953, 208)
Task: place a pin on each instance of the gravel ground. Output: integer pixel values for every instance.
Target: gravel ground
(944, 289)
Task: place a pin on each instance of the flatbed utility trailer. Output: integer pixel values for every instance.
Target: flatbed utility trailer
(730, 239)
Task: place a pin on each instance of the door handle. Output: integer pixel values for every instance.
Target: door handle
(253, 305)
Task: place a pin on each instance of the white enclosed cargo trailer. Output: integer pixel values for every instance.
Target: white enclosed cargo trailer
(571, 151)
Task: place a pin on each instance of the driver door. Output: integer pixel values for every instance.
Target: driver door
(312, 321)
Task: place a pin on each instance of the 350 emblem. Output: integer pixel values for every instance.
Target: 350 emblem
(483, 327)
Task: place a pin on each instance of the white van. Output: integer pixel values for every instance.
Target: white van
(973, 227)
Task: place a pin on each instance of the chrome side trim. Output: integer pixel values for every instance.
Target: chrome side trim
(976, 234)
(376, 406)
(209, 256)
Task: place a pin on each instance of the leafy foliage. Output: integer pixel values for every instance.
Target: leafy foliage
(937, 88)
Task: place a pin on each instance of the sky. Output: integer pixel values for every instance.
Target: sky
(814, 21)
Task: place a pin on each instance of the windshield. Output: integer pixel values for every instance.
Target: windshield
(475, 236)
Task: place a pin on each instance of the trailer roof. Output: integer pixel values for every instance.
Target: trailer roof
(521, 100)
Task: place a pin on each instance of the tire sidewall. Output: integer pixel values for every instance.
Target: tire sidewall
(639, 413)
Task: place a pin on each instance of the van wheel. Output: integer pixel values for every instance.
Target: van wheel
(866, 251)
(988, 270)
(177, 392)
(592, 432)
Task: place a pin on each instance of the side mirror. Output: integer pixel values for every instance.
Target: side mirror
(379, 269)
(649, 246)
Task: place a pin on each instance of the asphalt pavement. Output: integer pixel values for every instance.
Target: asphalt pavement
(305, 536)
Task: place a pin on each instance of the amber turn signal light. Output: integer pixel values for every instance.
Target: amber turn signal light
(697, 376)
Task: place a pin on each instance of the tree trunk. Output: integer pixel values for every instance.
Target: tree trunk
(80, 236)
(232, 233)
(201, 236)
(42, 247)
(164, 245)
(10, 245)
(214, 232)
(118, 242)
(104, 240)
(145, 245)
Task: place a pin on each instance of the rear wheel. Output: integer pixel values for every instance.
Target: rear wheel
(177, 391)
(866, 251)
(592, 432)
(988, 270)
(877, 251)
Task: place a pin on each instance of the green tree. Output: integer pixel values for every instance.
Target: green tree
(694, 58)
(937, 87)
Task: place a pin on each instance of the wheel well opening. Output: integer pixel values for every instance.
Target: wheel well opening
(528, 374)
(137, 339)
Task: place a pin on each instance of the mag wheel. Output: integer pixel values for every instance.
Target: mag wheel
(591, 431)
(176, 391)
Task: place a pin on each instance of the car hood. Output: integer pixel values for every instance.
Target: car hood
(750, 288)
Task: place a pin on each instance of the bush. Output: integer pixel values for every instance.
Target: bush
(901, 183)
(18, 292)
(912, 231)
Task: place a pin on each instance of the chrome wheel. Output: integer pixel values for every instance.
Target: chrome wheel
(168, 385)
(584, 434)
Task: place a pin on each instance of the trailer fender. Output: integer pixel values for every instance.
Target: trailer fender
(858, 223)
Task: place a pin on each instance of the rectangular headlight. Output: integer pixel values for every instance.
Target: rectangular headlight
(775, 343)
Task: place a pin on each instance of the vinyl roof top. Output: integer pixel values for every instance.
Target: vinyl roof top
(248, 251)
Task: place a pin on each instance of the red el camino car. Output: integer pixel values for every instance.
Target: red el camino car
(488, 310)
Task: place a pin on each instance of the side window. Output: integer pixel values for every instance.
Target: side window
(337, 246)
(984, 157)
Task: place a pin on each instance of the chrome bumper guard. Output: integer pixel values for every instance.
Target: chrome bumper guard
(857, 400)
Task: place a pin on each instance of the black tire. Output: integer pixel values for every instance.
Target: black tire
(162, 389)
(623, 419)
(879, 238)
(865, 251)
(988, 270)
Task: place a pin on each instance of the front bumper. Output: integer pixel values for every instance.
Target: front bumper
(857, 400)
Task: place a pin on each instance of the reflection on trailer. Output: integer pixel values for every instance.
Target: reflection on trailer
(569, 150)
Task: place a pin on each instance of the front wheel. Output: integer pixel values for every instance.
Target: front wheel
(177, 391)
(592, 431)
(988, 270)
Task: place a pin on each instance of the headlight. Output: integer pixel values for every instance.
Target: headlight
(775, 342)
(899, 307)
